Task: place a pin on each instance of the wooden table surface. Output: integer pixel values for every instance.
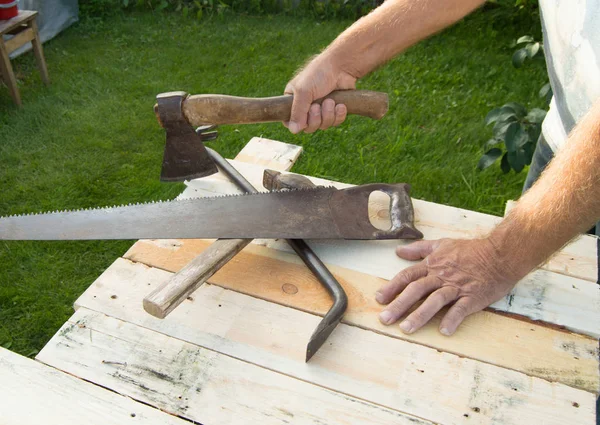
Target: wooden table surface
(234, 351)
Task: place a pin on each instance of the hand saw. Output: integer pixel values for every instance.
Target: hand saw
(319, 213)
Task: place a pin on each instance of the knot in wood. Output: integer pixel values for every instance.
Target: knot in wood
(290, 289)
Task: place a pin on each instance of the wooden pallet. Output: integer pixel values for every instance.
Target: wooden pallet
(234, 351)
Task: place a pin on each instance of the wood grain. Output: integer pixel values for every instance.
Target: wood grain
(162, 300)
(577, 259)
(492, 338)
(541, 295)
(222, 109)
(33, 393)
(166, 297)
(395, 374)
(200, 385)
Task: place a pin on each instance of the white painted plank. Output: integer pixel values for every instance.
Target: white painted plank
(32, 394)
(195, 383)
(542, 295)
(389, 372)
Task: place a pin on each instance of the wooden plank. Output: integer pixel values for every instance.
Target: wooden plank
(19, 39)
(269, 154)
(32, 394)
(20, 19)
(435, 220)
(38, 51)
(8, 74)
(262, 272)
(386, 371)
(195, 383)
(539, 296)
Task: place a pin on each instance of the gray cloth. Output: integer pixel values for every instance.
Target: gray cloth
(53, 17)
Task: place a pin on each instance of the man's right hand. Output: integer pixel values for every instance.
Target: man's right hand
(319, 78)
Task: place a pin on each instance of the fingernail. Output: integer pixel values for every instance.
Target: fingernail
(406, 327)
(379, 297)
(294, 127)
(385, 316)
(445, 331)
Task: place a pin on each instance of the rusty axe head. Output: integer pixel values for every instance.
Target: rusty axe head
(185, 156)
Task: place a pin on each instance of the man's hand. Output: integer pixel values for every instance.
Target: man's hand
(368, 43)
(317, 80)
(467, 273)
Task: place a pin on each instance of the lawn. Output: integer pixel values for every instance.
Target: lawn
(91, 139)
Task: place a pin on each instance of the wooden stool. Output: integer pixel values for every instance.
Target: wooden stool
(24, 29)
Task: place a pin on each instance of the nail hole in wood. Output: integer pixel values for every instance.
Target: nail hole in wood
(466, 415)
(114, 297)
(575, 404)
(133, 415)
(421, 370)
(475, 409)
(190, 299)
(219, 305)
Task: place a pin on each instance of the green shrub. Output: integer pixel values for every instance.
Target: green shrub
(99, 8)
(322, 9)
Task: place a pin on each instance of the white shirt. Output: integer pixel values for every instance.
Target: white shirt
(572, 49)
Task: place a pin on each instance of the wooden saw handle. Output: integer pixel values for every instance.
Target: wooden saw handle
(220, 109)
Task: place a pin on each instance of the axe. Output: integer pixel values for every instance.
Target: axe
(185, 156)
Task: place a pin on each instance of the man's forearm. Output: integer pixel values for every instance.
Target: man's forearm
(563, 203)
(390, 29)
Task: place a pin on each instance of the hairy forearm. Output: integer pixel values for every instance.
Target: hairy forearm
(390, 29)
(564, 202)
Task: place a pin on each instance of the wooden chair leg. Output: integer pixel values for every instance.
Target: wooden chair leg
(39, 53)
(9, 75)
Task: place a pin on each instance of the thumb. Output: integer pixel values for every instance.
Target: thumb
(416, 250)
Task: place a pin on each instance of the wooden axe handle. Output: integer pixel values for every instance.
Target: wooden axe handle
(220, 109)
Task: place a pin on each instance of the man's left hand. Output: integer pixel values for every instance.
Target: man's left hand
(467, 273)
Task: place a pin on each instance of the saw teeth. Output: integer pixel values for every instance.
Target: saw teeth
(229, 195)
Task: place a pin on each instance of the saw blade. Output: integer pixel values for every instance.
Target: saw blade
(289, 214)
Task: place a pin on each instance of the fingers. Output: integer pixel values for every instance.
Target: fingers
(340, 114)
(416, 250)
(428, 309)
(327, 113)
(311, 117)
(314, 118)
(300, 107)
(456, 314)
(413, 293)
(323, 116)
(390, 290)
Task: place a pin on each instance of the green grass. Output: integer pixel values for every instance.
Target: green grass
(91, 139)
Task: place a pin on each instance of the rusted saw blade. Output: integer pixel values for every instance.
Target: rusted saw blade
(321, 213)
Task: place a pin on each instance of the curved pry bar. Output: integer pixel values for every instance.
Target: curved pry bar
(274, 180)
